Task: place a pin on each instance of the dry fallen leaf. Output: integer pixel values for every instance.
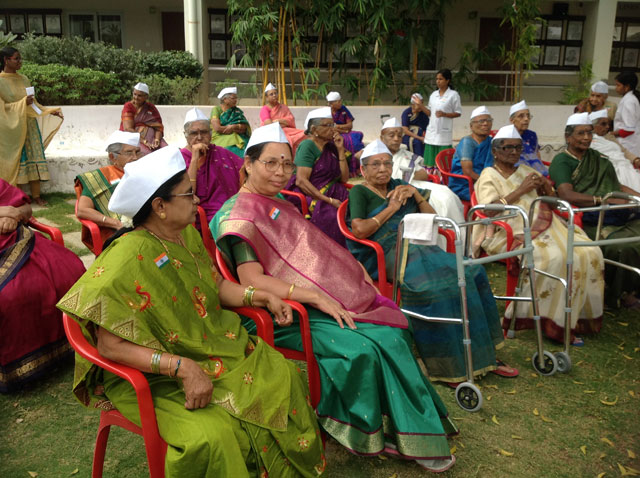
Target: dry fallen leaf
(74, 472)
(611, 404)
(382, 457)
(395, 475)
(545, 419)
(631, 454)
(536, 412)
(511, 392)
(505, 452)
(588, 391)
(632, 393)
(539, 384)
(461, 444)
(491, 386)
(602, 455)
(15, 404)
(627, 471)
(621, 346)
(495, 420)
(627, 357)
(534, 375)
(453, 450)
(488, 398)
(583, 449)
(600, 475)
(32, 474)
(607, 441)
(580, 362)
(19, 420)
(457, 418)
(578, 383)
(636, 349)
(624, 324)
(516, 437)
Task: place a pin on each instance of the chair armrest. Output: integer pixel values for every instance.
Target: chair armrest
(433, 179)
(53, 232)
(262, 319)
(301, 197)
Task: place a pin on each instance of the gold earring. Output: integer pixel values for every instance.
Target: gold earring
(163, 215)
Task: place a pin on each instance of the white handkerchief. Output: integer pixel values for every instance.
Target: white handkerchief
(419, 229)
(32, 91)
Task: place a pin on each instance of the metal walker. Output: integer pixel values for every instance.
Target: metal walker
(563, 359)
(468, 395)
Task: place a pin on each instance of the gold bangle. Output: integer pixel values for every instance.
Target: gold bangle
(104, 219)
(193, 180)
(377, 221)
(155, 361)
(503, 201)
(248, 296)
(169, 366)
(293, 286)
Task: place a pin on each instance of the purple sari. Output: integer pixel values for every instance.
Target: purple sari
(352, 140)
(217, 179)
(325, 176)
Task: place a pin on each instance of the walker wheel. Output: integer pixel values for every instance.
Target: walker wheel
(550, 363)
(564, 362)
(469, 397)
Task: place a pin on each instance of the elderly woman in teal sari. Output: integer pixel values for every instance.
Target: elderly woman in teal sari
(429, 284)
(226, 403)
(229, 128)
(374, 397)
(583, 176)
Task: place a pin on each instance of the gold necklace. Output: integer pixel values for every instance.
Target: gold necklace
(181, 243)
(371, 188)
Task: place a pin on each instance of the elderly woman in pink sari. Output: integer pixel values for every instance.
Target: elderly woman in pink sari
(215, 173)
(273, 111)
(140, 116)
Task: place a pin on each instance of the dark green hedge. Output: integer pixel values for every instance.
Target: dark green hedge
(74, 71)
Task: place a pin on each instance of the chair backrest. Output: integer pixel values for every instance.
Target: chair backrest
(207, 238)
(384, 286)
(150, 432)
(91, 234)
(443, 163)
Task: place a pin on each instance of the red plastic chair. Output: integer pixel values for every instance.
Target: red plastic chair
(155, 446)
(301, 198)
(384, 286)
(52, 232)
(207, 238)
(443, 163)
(305, 332)
(92, 236)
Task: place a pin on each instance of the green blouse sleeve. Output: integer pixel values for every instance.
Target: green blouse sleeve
(561, 170)
(307, 154)
(362, 202)
(242, 252)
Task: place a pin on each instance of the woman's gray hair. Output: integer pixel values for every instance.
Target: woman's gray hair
(114, 148)
(569, 129)
(312, 122)
(188, 125)
(497, 143)
(225, 97)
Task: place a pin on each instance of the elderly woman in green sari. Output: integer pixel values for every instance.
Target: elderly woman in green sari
(374, 397)
(429, 285)
(583, 176)
(227, 404)
(229, 128)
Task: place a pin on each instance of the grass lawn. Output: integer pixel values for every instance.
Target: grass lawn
(582, 424)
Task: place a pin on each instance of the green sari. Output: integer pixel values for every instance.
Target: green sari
(594, 174)
(429, 286)
(234, 142)
(151, 293)
(373, 390)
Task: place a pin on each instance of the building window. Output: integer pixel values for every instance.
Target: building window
(559, 43)
(625, 47)
(36, 21)
(97, 27)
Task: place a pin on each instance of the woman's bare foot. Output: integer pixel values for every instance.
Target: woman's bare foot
(40, 202)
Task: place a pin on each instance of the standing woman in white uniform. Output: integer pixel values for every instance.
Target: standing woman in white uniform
(626, 125)
(444, 105)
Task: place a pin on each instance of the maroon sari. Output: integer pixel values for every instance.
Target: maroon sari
(146, 121)
(34, 274)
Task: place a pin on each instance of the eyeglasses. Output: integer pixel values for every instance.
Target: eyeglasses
(131, 154)
(272, 166)
(483, 121)
(381, 164)
(199, 132)
(511, 147)
(192, 193)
